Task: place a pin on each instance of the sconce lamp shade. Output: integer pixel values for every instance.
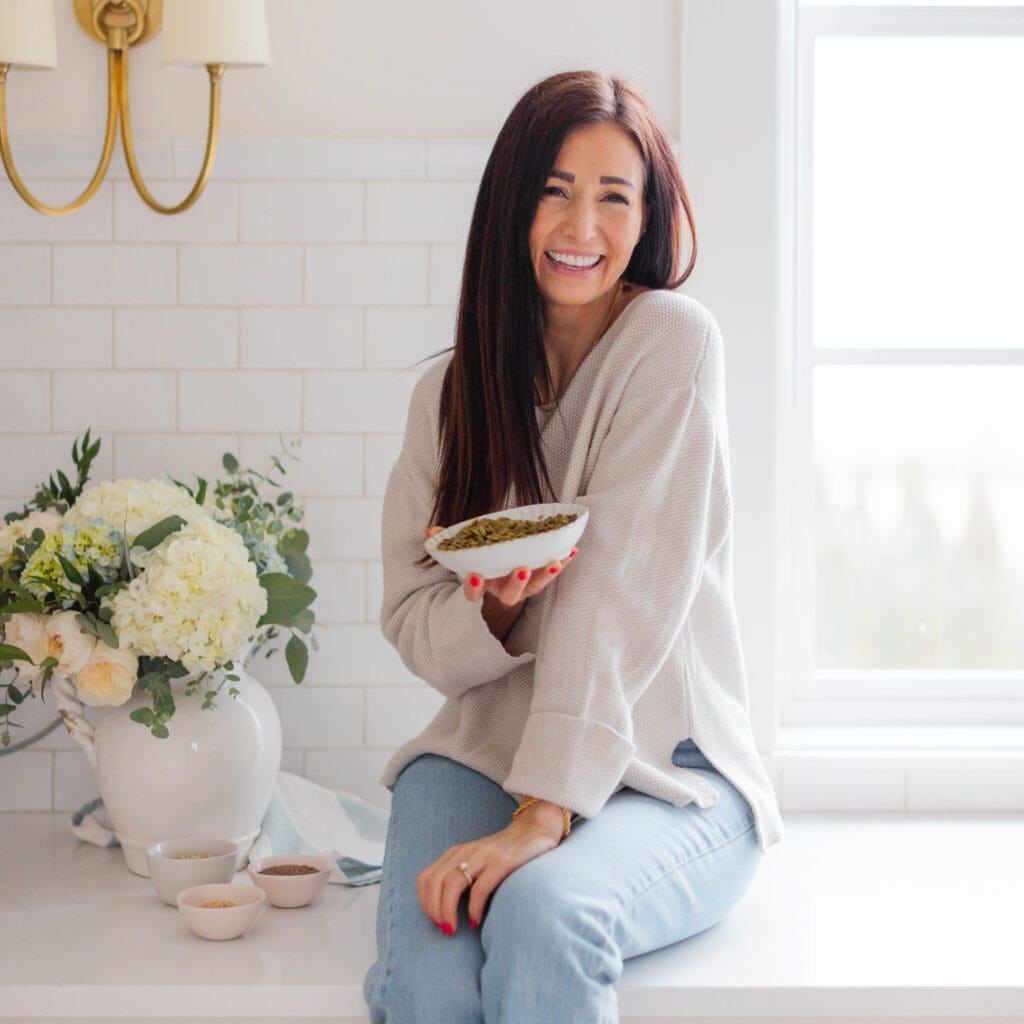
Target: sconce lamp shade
(232, 32)
(28, 34)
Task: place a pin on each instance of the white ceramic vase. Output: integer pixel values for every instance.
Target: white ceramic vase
(213, 776)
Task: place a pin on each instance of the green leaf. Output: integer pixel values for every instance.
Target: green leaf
(22, 606)
(201, 493)
(230, 462)
(107, 635)
(86, 623)
(303, 622)
(285, 597)
(15, 695)
(283, 499)
(299, 567)
(70, 571)
(160, 731)
(8, 652)
(149, 539)
(143, 715)
(294, 542)
(297, 656)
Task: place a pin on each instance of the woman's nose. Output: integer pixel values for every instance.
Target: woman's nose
(581, 221)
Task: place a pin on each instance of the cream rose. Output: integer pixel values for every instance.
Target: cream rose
(108, 677)
(25, 630)
(64, 640)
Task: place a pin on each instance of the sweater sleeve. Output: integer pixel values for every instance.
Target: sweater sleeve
(659, 509)
(440, 635)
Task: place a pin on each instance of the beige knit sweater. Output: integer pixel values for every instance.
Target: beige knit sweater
(635, 646)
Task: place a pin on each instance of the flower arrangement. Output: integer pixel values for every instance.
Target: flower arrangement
(138, 582)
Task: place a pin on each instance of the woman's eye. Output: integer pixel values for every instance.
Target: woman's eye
(622, 199)
(552, 188)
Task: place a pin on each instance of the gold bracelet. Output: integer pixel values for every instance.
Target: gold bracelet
(536, 799)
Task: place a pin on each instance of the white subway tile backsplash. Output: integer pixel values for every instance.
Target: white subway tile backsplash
(28, 780)
(213, 218)
(354, 771)
(343, 527)
(48, 339)
(302, 338)
(114, 275)
(302, 211)
(25, 275)
(397, 337)
(381, 453)
(76, 159)
(29, 459)
(359, 401)
(115, 400)
(374, 590)
(319, 465)
(167, 338)
(432, 211)
(26, 403)
(363, 275)
(241, 275)
(341, 591)
(307, 159)
(183, 457)
(250, 400)
(446, 274)
(458, 159)
(22, 223)
(73, 780)
(395, 714)
(319, 716)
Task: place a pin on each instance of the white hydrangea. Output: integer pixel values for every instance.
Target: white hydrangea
(198, 600)
(142, 502)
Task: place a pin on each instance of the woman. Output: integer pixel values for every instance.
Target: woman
(591, 785)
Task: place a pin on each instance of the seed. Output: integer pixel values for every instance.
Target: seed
(493, 531)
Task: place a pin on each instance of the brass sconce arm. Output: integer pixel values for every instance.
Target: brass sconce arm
(216, 72)
(101, 170)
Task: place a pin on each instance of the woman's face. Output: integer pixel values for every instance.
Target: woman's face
(591, 213)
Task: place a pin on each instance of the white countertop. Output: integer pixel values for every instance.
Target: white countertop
(869, 915)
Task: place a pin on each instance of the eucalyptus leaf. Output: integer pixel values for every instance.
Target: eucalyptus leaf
(297, 656)
(8, 652)
(285, 597)
(149, 539)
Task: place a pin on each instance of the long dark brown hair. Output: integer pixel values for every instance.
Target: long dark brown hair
(489, 439)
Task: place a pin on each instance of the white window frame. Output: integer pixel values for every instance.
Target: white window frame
(893, 742)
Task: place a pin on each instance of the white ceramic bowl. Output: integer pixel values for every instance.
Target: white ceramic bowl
(169, 876)
(221, 922)
(492, 560)
(291, 890)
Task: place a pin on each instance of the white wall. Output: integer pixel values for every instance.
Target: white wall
(322, 259)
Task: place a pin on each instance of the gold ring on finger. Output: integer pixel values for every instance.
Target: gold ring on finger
(464, 868)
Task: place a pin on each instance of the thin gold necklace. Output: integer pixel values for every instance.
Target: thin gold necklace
(600, 335)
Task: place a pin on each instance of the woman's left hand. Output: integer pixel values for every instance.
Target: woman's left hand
(490, 860)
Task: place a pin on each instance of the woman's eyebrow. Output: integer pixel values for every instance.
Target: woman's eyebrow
(605, 179)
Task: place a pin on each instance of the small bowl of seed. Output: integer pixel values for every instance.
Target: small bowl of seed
(291, 880)
(496, 544)
(222, 911)
(175, 864)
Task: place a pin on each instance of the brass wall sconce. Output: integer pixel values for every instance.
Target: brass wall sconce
(216, 33)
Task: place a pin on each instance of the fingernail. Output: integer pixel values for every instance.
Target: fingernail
(572, 554)
(472, 923)
(523, 574)
(447, 928)
(554, 569)
(474, 581)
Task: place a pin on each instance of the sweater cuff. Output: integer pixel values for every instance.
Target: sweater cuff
(473, 654)
(573, 762)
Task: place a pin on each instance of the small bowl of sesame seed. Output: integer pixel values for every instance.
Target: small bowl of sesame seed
(222, 911)
(175, 864)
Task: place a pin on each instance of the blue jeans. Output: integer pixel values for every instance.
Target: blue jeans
(640, 875)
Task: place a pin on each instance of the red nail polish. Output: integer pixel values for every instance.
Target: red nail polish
(472, 923)
(474, 581)
(447, 928)
(554, 568)
(572, 554)
(523, 574)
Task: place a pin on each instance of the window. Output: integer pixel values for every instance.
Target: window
(909, 388)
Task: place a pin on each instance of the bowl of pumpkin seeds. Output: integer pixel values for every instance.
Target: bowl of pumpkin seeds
(496, 544)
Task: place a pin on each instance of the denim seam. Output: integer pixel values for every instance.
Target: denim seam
(385, 982)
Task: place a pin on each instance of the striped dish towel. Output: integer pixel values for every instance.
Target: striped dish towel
(302, 818)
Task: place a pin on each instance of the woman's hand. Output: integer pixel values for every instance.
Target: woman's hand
(490, 860)
(518, 585)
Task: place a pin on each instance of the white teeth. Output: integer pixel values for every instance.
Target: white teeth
(574, 261)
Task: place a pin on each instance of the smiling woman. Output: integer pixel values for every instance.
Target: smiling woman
(592, 738)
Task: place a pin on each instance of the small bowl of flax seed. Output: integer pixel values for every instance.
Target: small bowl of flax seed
(291, 880)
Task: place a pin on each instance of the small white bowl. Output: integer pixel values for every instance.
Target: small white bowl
(535, 551)
(221, 922)
(169, 876)
(291, 890)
